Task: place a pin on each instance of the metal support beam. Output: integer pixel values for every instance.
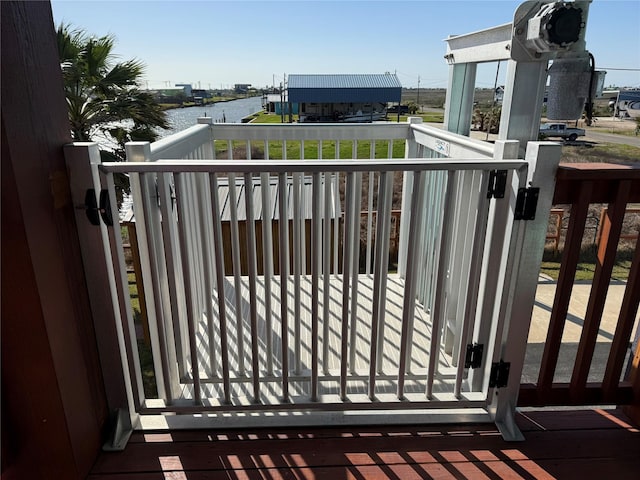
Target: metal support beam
(459, 100)
(522, 102)
(488, 45)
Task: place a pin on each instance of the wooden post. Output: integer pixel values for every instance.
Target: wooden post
(624, 327)
(53, 399)
(137, 272)
(633, 410)
(610, 234)
(628, 312)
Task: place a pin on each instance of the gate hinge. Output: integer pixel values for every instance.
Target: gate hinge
(499, 376)
(93, 212)
(473, 359)
(497, 183)
(527, 203)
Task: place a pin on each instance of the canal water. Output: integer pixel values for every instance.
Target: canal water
(229, 112)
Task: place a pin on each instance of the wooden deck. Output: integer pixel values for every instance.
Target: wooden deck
(576, 444)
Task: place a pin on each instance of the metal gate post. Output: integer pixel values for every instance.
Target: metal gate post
(519, 290)
(498, 237)
(522, 102)
(459, 99)
(411, 151)
(109, 305)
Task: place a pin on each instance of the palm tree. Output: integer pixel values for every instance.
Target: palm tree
(102, 94)
(104, 102)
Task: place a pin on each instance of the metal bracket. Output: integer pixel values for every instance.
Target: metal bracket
(497, 183)
(499, 376)
(120, 431)
(93, 212)
(473, 358)
(91, 207)
(527, 203)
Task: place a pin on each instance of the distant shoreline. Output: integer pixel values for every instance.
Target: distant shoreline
(173, 106)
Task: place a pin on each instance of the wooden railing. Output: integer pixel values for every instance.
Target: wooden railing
(581, 185)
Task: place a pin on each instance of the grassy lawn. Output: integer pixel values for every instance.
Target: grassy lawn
(263, 117)
(587, 263)
(144, 350)
(602, 152)
(624, 132)
(585, 271)
(133, 294)
(295, 150)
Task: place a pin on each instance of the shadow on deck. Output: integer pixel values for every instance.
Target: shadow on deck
(299, 348)
(564, 444)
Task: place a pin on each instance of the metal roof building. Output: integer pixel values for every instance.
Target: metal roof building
(341, 88)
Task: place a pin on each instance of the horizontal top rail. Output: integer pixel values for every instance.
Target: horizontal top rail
(283, 166)
(598, 171)
(181, 143)
(433, 133)
(604, 178)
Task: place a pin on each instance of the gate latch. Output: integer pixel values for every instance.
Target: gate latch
(526, 203)
(95, 212)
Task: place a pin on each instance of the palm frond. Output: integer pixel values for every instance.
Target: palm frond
(100, 91)
(122, 75)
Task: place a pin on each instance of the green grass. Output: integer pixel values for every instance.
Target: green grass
(626, 133)
(263, 117)
(585, 271)
(587, 264)
(144, 350)
(133, 293)
(146, 366)
(294, 149)
(603, 152)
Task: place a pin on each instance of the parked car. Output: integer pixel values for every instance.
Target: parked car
(398, 109)
(560, 130)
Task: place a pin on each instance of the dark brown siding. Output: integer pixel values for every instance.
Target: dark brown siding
(53, 399)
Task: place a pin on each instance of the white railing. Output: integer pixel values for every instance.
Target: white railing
(289, 318)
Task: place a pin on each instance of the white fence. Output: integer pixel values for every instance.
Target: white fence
(319, 329)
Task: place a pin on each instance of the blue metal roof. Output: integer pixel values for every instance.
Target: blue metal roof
(351, 88)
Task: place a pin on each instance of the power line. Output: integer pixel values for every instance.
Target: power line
(621, 69)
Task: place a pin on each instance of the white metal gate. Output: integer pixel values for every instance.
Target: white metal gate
(315, 338)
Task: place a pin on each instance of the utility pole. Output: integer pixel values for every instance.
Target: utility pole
(282, 102)
(288, 102)
(418, 101)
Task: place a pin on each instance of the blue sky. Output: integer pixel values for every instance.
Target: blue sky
(219, 43)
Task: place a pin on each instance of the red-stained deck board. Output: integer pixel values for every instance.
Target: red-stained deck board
(561, 444)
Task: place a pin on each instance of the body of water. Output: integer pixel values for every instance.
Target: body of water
(229, 112)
